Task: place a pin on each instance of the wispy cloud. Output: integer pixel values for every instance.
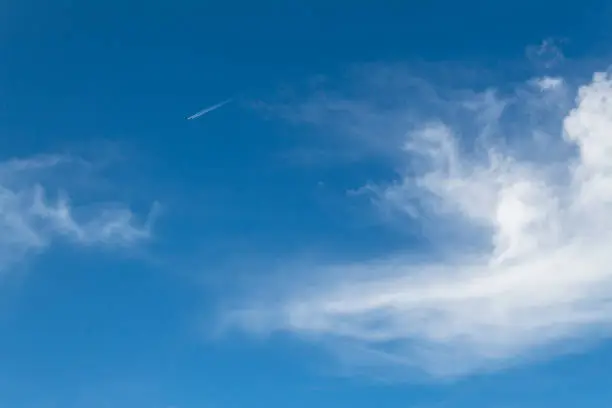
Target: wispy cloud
(209, 109)
(36, 210)
(547, 54)
(548, 83)
(526, 180)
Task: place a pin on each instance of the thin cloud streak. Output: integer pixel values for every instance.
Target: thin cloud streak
(209, 109)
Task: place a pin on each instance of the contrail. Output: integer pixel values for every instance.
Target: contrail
(209, 109)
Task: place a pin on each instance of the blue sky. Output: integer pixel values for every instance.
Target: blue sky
(405, 204)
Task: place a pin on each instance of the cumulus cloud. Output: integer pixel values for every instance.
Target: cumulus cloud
(528, 184)
(36, 210)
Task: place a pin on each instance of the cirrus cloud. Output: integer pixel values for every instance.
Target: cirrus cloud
(526, 180)
(36, 210)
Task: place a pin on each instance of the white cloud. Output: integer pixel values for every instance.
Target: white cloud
(548, 83)
(30, 220)
(535, 275)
